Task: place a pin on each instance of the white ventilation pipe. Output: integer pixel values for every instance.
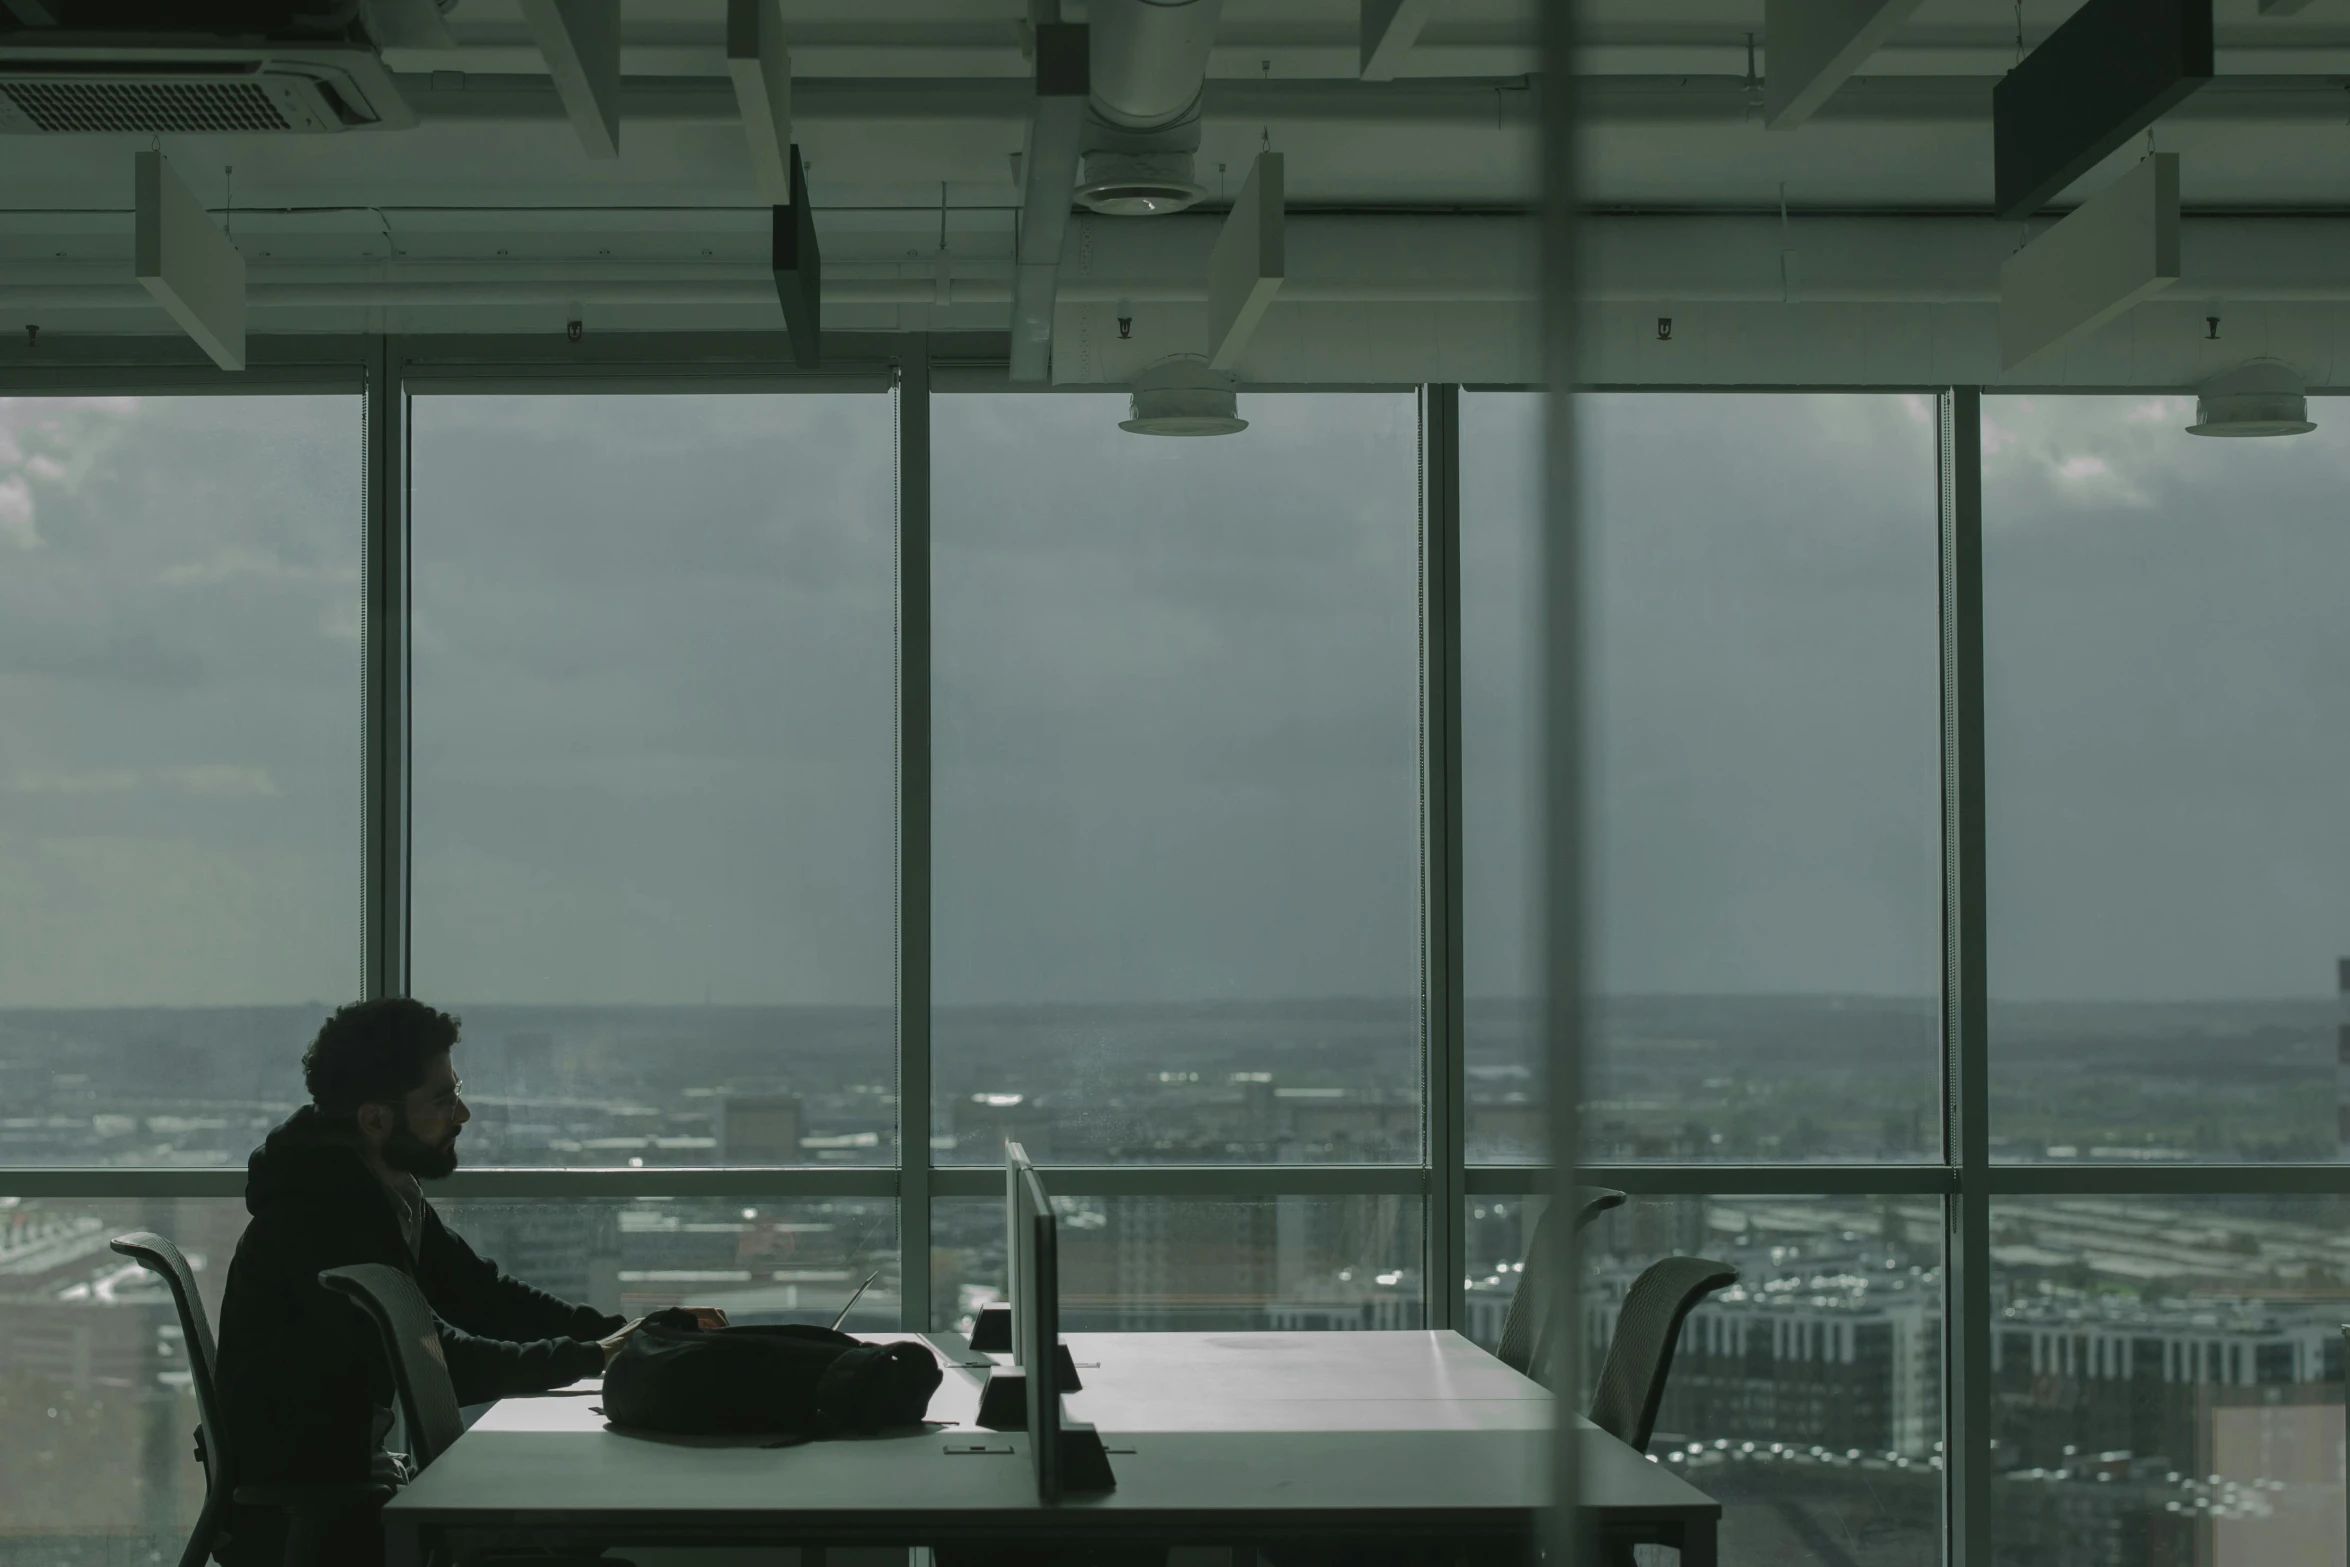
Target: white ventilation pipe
(1149, 64)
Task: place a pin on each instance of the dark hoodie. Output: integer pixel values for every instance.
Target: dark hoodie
(302, 1372)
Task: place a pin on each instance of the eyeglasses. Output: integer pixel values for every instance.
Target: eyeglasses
(448, 1101)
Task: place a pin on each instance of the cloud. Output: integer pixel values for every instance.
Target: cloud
(2073, 453)
(221, 781)
(203, 780)
(105, 780)
(249, 562)
(16, 514)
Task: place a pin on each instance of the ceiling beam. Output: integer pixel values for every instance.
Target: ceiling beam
(2115, 249)
(405, 24)
(2112, 69)
(1814, 45)
(185, 262)
(761, 67)
(1389, 30)
(799, 269)
(1250, 260)
(580, 40)
(1049, 182)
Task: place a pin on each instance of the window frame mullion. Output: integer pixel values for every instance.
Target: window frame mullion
(1967, 1416)
(1444, 1143)
(914, 836)
(386, 690)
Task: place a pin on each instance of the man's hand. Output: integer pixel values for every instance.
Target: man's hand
(707, 1318)
(611, 1346)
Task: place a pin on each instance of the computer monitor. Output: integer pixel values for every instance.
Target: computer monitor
(1036, 1320)
(1018, 1239)
(1067, 1454)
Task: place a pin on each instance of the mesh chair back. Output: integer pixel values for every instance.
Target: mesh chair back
(158, 1255)
(1527, 1325)
(412, 1340)
(1640, 1357)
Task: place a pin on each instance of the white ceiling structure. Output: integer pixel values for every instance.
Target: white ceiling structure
(1856, 248)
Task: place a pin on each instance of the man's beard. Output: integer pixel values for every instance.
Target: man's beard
(406, 1151)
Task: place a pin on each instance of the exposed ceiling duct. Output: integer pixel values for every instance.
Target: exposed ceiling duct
(1149, 69)
(1183, 395)
(2261, 397)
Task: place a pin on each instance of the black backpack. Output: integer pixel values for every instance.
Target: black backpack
(672, 1375)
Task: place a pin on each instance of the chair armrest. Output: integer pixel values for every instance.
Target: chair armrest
(314, 1499)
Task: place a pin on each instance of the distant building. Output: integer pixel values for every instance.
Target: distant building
(2342, 1062)
(1361, 1126)
(1843, 1362)
(571, 1250)
(1357, 1305)
(760, 1129)
(2145, 1379)
(984, 1122)
(1144, 1264)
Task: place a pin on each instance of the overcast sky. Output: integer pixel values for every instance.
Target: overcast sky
(1764, 672)
(1176, 706)
(179, 726)
(2168, 698)
(654, 675)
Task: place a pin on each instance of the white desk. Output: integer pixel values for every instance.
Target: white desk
(1216, 1438)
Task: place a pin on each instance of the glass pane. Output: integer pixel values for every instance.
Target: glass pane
(2167, 717)
(763, 1259)
(1157, 1264)
(1501, 661)
(2167, 1379)
(179, 761)
(654, 790)
(1176, 751)
(97, 1415)
(1807, 1397)
(1765, 788)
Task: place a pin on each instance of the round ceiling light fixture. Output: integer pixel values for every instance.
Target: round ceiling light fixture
(1138, 185)
(2260, 397)
(1183, 396)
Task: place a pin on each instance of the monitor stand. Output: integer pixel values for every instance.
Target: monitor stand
(991, 1333)
(1085, 1463)
(1003, 1402)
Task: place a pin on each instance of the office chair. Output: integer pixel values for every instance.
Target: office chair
(309, 1508)
(1631, 1380)
(420, 1379)
(1527, 1326)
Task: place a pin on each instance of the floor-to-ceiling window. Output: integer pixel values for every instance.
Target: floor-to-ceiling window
(1182, 863)
(653, 652)
(2167, 727)
(653, 821)
(1760, 663)
(179, 891)
(1177, 880)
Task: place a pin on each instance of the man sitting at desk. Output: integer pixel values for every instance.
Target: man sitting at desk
(306, 1392)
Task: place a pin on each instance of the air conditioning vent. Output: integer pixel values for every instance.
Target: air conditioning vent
(103, 91)
(143, 106)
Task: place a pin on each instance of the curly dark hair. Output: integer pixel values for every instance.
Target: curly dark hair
(372, 1052)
